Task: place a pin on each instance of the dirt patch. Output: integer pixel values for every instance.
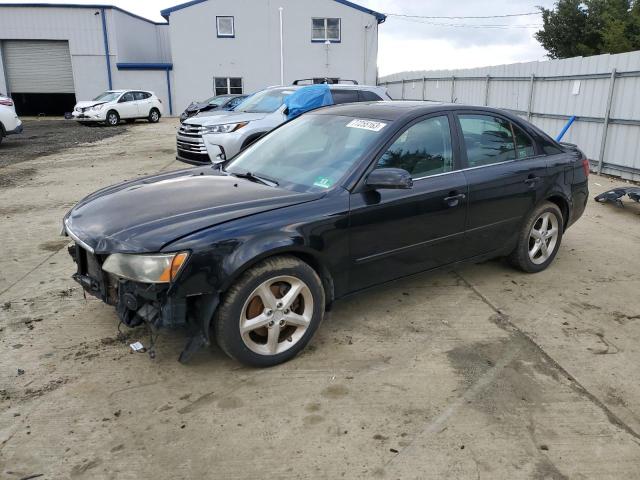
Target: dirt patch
(11, 179)
(44, 137)
(53, 245)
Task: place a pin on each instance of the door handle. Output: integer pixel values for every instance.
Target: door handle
(532, 180)
(454, 200)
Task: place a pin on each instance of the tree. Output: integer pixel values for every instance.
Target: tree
(590, 27)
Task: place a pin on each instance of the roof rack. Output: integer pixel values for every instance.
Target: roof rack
(319, 80)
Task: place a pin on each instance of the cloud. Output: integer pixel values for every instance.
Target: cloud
(427, 44)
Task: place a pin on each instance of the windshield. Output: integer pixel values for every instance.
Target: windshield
(266, 101)
(310, 153)
(219, 100)
(107, 97)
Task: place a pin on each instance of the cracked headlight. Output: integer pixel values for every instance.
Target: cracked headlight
(224, 128)
(155, 268)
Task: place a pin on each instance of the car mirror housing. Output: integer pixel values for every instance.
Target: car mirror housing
(389, 178)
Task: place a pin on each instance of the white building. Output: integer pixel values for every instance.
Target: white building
(52, 55)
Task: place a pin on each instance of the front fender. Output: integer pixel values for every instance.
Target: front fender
(259, 248)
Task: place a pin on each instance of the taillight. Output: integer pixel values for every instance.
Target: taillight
(585, 166)
(6, 101)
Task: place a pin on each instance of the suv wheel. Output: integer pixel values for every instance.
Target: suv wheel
(539, 239)
(271, 312)
(113, 118)
(154, 115)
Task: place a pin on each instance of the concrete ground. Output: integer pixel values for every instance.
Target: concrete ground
(481, 373)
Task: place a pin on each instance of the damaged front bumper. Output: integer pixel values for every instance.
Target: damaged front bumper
(159, 305)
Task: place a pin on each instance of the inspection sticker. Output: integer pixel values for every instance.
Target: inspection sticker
(367, 125)
(323, 182)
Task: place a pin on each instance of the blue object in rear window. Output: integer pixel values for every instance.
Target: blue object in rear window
(308, 98)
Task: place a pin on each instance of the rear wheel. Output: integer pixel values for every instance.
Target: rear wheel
(154, 115)
(113, 118)
(539, 239)
(271, 312)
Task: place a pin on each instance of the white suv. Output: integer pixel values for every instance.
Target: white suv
(115, 105)
(221, 135)
(10, 124)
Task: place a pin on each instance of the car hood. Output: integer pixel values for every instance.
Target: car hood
(147, 214)
(88, 104)
(195, 106)
(219, 117)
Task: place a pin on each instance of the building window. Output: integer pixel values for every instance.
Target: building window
(225, 27)
(323, 29)
(227, 85)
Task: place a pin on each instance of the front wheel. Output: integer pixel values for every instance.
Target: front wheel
(539, 239)
(113, 118)
(154, 115)
(271, 312)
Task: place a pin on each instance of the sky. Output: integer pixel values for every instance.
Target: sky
(425, 44)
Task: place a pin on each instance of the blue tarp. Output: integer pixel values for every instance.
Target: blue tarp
(307, 98)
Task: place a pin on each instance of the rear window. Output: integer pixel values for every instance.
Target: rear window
(344, 96)
(367, 96)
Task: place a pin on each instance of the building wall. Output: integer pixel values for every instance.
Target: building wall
(137, 40)
(131, 39)
(86, 43)
(254, 53)
(3, 83)
(561, 88)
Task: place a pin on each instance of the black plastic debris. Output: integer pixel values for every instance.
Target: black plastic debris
(615, 195)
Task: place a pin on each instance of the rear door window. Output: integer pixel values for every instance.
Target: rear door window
(139, 95)
(524, 145)
(344, 96)
(487, 139)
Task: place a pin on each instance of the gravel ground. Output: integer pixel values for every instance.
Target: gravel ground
(44, 137)
(480, 373)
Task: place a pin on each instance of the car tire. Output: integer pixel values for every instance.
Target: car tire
(154, 115)
(539, 240)
(258, 324)
(112, 118)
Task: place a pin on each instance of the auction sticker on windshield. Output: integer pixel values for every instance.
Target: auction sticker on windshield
(366, 125)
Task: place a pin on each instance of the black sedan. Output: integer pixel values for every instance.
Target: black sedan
(219, 102)
(253, 251)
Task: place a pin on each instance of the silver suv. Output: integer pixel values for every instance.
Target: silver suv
(213, 138)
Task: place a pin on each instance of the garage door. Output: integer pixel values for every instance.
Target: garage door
(38, 66)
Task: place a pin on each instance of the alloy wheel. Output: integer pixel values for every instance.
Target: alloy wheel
(112, 119)
(276, 315)
(154, 116)
(543, 238)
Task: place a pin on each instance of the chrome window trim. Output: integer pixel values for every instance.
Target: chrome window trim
(479, 166)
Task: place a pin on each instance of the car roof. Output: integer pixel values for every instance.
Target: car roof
(332, 86)
(389, 110)
(392, 110)
(129, 90)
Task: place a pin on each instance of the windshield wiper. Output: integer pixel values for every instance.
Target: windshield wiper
(256, 178)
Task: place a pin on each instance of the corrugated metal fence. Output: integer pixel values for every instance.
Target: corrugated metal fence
(602, 91)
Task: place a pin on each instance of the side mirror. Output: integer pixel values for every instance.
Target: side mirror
(389, 178)
(285, 111)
